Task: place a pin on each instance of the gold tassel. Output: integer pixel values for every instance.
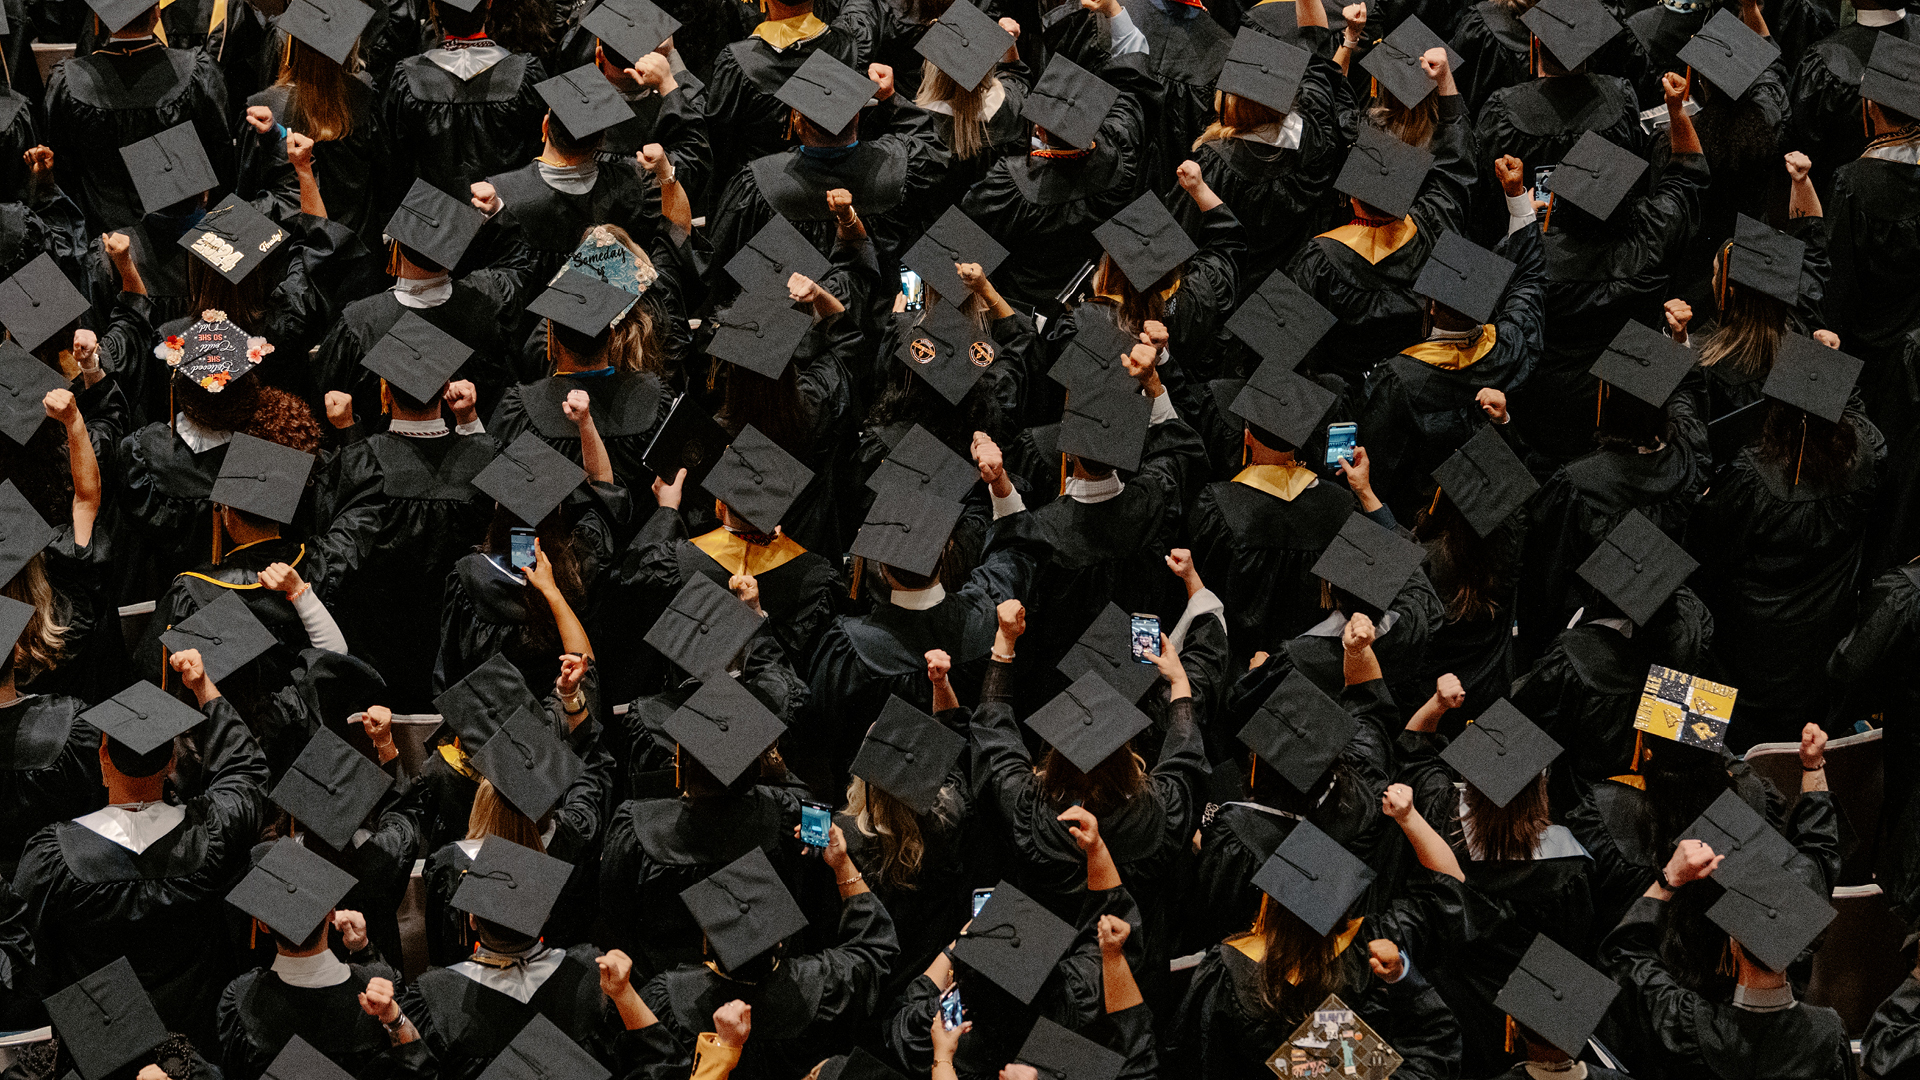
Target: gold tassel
(386, 399)
(1253, 769)
(1599, 401)
(216, 535)
(1727, 965)
(1547, 222)
(1435, 505)
(1512, 1035)
(1802, 458)
(859, 568)
(1638, 750)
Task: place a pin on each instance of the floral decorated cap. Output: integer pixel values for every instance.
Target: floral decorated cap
(213, 352)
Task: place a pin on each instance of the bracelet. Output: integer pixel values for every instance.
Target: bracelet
(575, 702)
(295, 595)
(948, 1062)
(855, 879)
(1665, 884)
(1822, 767)
(995, 653)
(399, 1022)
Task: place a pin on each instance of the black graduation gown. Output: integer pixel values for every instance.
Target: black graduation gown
(748, 73)
(52, 769)
(454, 132)
(1874, 298)
(259, 1014)
(627, 409)
(164, 499)
(1259, 550)
(1006, 133)
(348, 170)
(1478, 650)
(16, 138)
(1875, 665)
(1826, 95)
(1493, 45)
(1538, 122)
(1402, 650)
(469, 314)
(466, 1025)
(1887, 1048)
(92, 901)
(676, 121)
(93, 663)
(554, 221)
(1185, 52)
(929, 911)
(20, 1007)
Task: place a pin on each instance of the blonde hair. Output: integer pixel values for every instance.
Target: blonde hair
(492, 815)
(1299, 967)
(880, 816)
(319, 104)
(44, 641)
(969, 126)
(1237, 115)
(1413, 126)
(633, 346)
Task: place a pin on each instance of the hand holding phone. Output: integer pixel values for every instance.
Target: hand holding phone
(816, 821)
(1144, 638)
(1341, 439)
(520, 548)
(980, 898)
(913, 289)
(951, 1011)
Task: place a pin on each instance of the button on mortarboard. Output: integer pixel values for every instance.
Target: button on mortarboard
(262, 478)
(24, 385)
(1892, 78)
(1596, 174)
(1313, 877)
(1106, 419)
(38, 301)
(434, 225)
(1645, 363)
(1729, 54)
(1464, 276)
(1764, 258)
(1088, 722)
(703, 628)
(1370, 561)
(331, 788)
(1571, 30)
(483, 699)
(581, 302)
(1281, 321)
(1059, 1054)
(584, 101)
(744, 909)
(106, 1020)
(1557, 996)
(234, 238)
(777, 252)
(530, 767)
(417, 356)
(632, 28)
(953, 239)
(169, 168)
(1395, 61)
(1486, 480)
(907, 530)
(760, 332)
(1500, 752)
(1015, 941)
(1145, 241)
(1384, 172)
(757, 479)
(1263, 69)
(1284, 403)
(921, 462)
(827, 92)
(225, 631)
(142, 717)
(1810, 376)
(1069, 102)
(511, 885)
(298, 1060)
(907, 754)
(1106, 650)
(291, 889)
(23, 532)
(1771, 913)
(543, 1052)
(1299, 731)
(965, 43)
(1637, 567)
(328, 27)
(530, 478)
(725, 727)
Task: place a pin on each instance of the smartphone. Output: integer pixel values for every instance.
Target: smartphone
(980, 898)
(1341, 439)
(913, 289)
(815, 820)
(951, 1012)
(1145, 637)
(521, 548)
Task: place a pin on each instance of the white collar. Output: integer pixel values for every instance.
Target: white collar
(1094, 491)
(1624, 626)
(132, 828)
(989, 105)
(426, 292)
(570, 179)
(920, 599)
(1285, 134)
(1768, 999)
(469, 60)
(321, 969)
(1879, 18)
(418, 429)
(519, 980)
(198, 439)
(470, 848)
(1335, 624)
(1572, 1070)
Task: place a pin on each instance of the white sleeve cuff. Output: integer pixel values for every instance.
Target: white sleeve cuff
(1012, 504)
(322, 631)
(1520, 212)
(1163, 409)
(472, 427)
(1127, 38)
(1204, 602)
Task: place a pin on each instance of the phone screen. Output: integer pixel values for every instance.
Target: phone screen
(980, 898)
(913, 289)
(815, 820)
(1145, 637)
(522, 548)
(951, 1012)
(1340, 442)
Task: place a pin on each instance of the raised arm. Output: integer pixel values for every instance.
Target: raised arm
(1429, 847)
(61, 406)
(593, 449)
(573, 636)
(300, 156)
(1358, 664)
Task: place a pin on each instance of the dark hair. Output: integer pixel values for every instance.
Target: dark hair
(563, 138)
(1628, 423)
(1811, 449)
(1469, 573)
(138, 766)
(1505, 833)
(1112, 783)
(454, 22)
(246, 303)
(1299, 967)
(773, 406)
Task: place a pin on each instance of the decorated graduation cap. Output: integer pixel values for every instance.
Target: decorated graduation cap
(1892, 78)
(24, 385)
(757, 479)
(331, 788)
(1014, 941)
(1486, 480)
(907, 754)
(1106, 420)
(291, 889)
(724, 727)
(106, 1020)
(1088, 721)
(434, 225)
(1771, 913)
(1384, 172)
(116, 14)
(1464, 276)
(262, 478)
(703, 628)
(38, 302)
(233, 237)
(777, 252)
(760, 332)
(416, 356)
(169, 168)
(1263, 68)
(529, 765)
(744, 909)
(511, 885)
(530, 478)
(827, 92)
(543, 1052)
(946, 349)
(212, 352)
(328, 27)
(143, 718)
(1571, 30)
(1685, 708)
(1644, 362)
(1369, 561)
(1556, 995)
(1596, 174)
(1299, 731)
(23, 532)
(298, 1060)
(477, 705)
(1145, 241)
(1729, 53)
(1762, 257)
(1069, 102)
(921, 462)
(1313, 877)
(1732, 828)
(965, 43)
(1106, 650)
(858, 1065)
(1637, 567)
(1395, 61)
(581, 302)
(1281, 321)
(1810, 376)
(688, 439)
(632, 28)
(1283, 403)
(1059, 1054)
(907, 530)
(584, 101)
(226, 632)
(1500, 752)
(953, 239)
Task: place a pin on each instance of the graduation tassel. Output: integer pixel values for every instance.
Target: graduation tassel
(1599, 399)
(1435, 505)
(1547, 222)
(1510, 1035)
(216, 535)
(1802, 458)
(386, 399)
(1689, 90)
(859, 568)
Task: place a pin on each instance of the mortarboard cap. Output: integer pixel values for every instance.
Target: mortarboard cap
(143, 717)
(1299, 731)
(907, 754)
(477, 705)
(921, 462)
(965, 43)
(1728, 53)
(213, 352)
(1771, 913)
(584, 101)
(1395, 61)
(581, 302)
(744, 909)
(1501, 752)
(291, 889)
(1106, 419)
(417, 356)
(328, 27)
(1281, 321)
(858, 1065)
(1810, 376)
(1762, 257)
(116, 14)
(38, 301)
(434, 225)
(946, 349)
(907, 530)
(1311, 875)
(759, 332)
(1464, 276)
(690, 439)
(298, 1060)
(632, 28)
(1637, 567)
(106, 1020)
(1486, 480)
(724, 727)
(1283, 403)
(530, 478)
(225, 631)
(777, 252)
(1059, 1054)
(1097, 345)
(1644, 362)
(1145, 241)
(1596, 174)
(1088, 721)
(543, 1052)
(1892, 78)
(1556, 995)
(233, 237)
(703, 628)
(1015, 941)
(827, 92)
(23, 532)
(953, 239)
(14, 617)
(1370, 561)
(1685, 708)
(1384, 172)
(1106, 650)
(529, 766)
(262, 478)
(1069, 102)
(511, 885)
(330, 788)
(1732, 828)
(1571, 30)
(24, 385)
(1265, 69)
(169, 168)
(757, 479)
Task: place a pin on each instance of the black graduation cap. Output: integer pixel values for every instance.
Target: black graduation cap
(24, 385)
(858, 1065)
(907, 754)
(1556, 995)
(1501, 752)
(512, 885)
(23, 532)
(434, 224)
(757, 479)
(947, 349)
(226, 632)
(262, 478)
(633, 28)
(760, 332)
(1637, 567)
(724, 727)
(1729, 53)
(1299, 731)
(921, 462)
(1106, 650)
(1395, 61)
(1283, 402)
(744, 909)
(1734, 829)
(117, 14)
(298, 1060)
(143, 717)
(776, 253)
(1762, 257)
(1096, 350)
(38, 302)
(528, 765)
(1281, 321)
(1015, 941)
(328, 27)
(291, 889)
(1263, 68)
(1060, 1054)
(1486, 480)
(106, 1021)
(703, 628)
(1770, 912)
(582, 302)
(330, 788)
(543, 1052)
(477, 705)
(1596, 174)
(1070, 102)
(530, 478)
(907, 530)
(965, 43)
(1370, 561)
(1088, 721)
(14, 617)
(827, 92)
(1645, 363)
(1384, 172)
(1892, 78)
(1571, 30)
(1464, 276)
(584, 101)
(1810, 376)
(1145, 241)
(168, 168)
(233, 237)
(1311, 875)
(1106, 419)
(953, 239)
(689, 439)
(416, 356)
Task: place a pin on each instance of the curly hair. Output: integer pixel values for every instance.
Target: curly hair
(283, 418)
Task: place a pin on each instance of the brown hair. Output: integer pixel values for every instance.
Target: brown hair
(319, 99)
(1505, 833)
(492, 815)
(1413, 126)
(969, 127)
(1467, 571)
(43, 642)
(1812, 449)
(1293, 948)
(1133, 306)
(634, 345)
(281, 417)
(893, 823)
(246, 303)
(1108, 787)
(1236, 115)
(1748, 336)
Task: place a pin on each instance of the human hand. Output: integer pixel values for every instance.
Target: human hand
(1010, 27)
(938, 665)
(39, 160)
(1187, 173)
(802, 289)
(1358, 635)
(1141, 361)
(883, 75)
(972, 275)
(1493, 403)
(1798, 166)
(733, 1022)
(1180, 561)
(1511, 173)
(1813, 747)
(947, 1043)
(377, 1000)
(281, 578)
(653, 158)
(1167, 662)
(652, 70)
(352, 927)
(746, 589)
(1828, 338)
(1674, 88)
(299, 152)
(540, 574)
(260, 118)
(1691, 861)
(117, 245)
(1013, 618)
(1448, 691)
(1358, 470)
(1155, 332)
(1679, 313)
(573, 671)
(1397, 802)
(667, 495)
(836, 853)
(577, 408)
(991, 462)
(339, 409)
(461, 396)
(1113, 932)
(1109, 8)
(1083, 827)
(486, 198)
(63, 407)
(840, 205)
(1434, 64)
(1356, 17)
(616, 972)
(1384, 958)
